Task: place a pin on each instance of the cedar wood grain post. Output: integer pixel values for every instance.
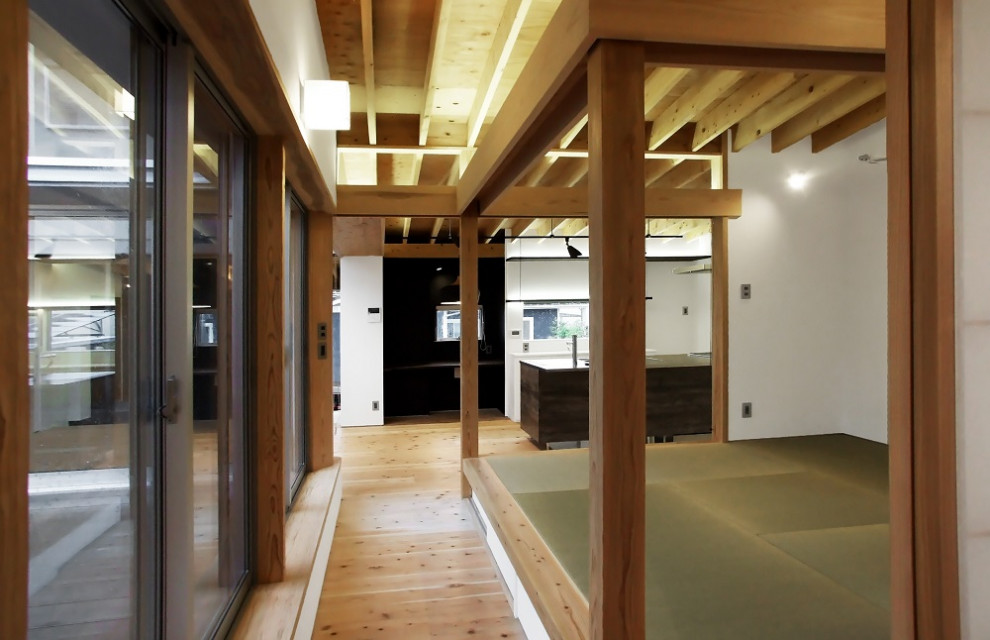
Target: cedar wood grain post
(469, 342)
(269, 368)
(617, 271)
(921, 325)
(14, 398)
(319, 309)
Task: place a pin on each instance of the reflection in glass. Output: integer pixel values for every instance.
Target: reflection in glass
(295, 432)
(219, 522)
(87, 302)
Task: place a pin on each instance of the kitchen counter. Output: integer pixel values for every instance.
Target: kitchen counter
(554, 397)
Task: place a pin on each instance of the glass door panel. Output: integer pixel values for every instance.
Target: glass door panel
(218, 483)
(295, 323)
(93, 81)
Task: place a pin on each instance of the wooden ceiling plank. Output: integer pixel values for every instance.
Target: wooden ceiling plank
(437, 225)
(513, 17)
(694, 101)
(870, 113)
(441, 25)
(368, 48)
(785, 106)
(744, 101)
(549, 89)
(827, 110)
(406, 225)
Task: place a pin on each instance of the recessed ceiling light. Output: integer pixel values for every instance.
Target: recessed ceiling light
(797, 180)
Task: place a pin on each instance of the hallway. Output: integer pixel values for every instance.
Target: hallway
(407, 560)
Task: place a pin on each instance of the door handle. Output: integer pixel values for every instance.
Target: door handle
(170, 410)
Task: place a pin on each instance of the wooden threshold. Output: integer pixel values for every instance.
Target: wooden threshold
(561, 606)
(287, 609)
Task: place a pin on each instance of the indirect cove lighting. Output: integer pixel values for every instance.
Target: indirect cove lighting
(327, 105)
(797, 181)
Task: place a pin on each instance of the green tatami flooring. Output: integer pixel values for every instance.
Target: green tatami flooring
(770, 540)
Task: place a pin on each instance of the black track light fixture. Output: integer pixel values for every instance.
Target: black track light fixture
(573, 251)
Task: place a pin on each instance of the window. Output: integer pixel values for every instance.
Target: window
(546, 320)
(449, 324)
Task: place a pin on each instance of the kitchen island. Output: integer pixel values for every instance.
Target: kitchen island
(554, 397)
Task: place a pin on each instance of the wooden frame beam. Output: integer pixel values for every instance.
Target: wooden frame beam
(368, 50)
(546, 99)
(227, 38)
(753, 59)
(744, 101)
(852, 25)
(617, 272)
(469, 344)
(319, 310)
(925, 599)
(827, 110)
(269, 368)
(694, 101)
(513, 17)
(15, 403)
(439, 250)
(441, 23)
(870, 113)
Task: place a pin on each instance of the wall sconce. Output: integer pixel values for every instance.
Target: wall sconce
(327, 105)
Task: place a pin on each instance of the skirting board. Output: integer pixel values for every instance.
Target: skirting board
(287, 610)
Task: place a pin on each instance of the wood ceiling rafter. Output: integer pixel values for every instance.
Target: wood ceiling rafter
(368, 51)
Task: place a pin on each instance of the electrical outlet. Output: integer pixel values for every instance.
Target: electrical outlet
(684, 311)
(525, 347)
(746, 291)
(375, 405)
(747, 409)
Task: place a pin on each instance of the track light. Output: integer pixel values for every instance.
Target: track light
(573, 251)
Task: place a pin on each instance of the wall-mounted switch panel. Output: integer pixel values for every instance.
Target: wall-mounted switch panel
(375, 405)
(525, 347)
(374, 314)
(747, 410)
(746, 292)
(321, 331)
(684, 311)
(321, 350)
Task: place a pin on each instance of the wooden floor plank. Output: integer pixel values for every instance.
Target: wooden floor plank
(407, 558)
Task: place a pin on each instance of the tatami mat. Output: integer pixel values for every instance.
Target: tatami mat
(761, 541)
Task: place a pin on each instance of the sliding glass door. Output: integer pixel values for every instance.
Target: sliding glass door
(93, 173)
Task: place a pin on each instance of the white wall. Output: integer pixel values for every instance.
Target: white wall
(972, 193)
(667, 329)
(809, 349)
(291, 29)
(361, 342)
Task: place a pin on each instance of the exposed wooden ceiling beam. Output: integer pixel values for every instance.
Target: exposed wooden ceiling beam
(559, 202)
(827, 110)
(421, 201)
(870, 113)
(785, 106)
(513, 17)
(571, 227)
(550, 92)
(439, 251)
(368, 47)
(658, 84)
(694, 101)
(681, 175)
(441, 24)
(744, 101)
(574, 176)
(546, 163)
(661, 167)
(406, 225)
(699, 56)
(536, 227)
(437, 225)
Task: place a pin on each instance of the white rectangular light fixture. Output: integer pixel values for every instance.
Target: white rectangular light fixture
(327, 105)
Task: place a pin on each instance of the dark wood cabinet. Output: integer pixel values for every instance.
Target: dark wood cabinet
(554, 398)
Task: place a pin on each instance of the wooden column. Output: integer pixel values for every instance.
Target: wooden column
(921, 325)
(720, 330)
(469, 342)
(15, 427)
(269, 388)
(319, 309)
(617, 268)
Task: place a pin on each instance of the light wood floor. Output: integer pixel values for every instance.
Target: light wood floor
(407, 559)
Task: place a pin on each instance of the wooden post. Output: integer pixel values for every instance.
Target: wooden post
(269, 388)
(617, 268)
(319, 302)
(720, 330)
(469, 342)
(15, 426)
